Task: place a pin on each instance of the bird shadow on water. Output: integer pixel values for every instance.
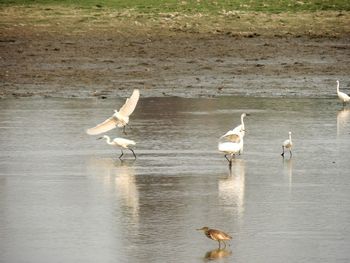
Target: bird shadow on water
(118, 179)
(217, 253)
(343, 121)
(288, 171)
(232, 187)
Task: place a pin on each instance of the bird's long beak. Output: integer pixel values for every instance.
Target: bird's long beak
(247, 114)
(99, 138)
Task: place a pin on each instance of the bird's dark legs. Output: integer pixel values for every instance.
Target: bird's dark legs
(133, 152)
(282, 151)
(124, 128)
(219, 244)
(229, 161)
(290, 151)
(121, 154)
(224, 244)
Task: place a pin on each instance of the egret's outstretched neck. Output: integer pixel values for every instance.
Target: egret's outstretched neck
(338, 86)
(290, 137)
(242, 122)
(108, 139)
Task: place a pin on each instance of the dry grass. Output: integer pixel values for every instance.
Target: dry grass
(65, 20)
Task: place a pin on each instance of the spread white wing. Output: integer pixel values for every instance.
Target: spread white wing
(112, 122)
(130, 104)
(105, 126)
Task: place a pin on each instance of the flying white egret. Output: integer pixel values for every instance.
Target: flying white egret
(239, 130)
(231, 148)
(342, 96)
(288, 145)
(120, 142)
(119, 118)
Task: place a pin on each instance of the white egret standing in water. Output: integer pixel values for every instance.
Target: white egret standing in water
(120, 142)
(342, 96)
(288, 145)
(119, 118)
(231, 148)
(236, 133)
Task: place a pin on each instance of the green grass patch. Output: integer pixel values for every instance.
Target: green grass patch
(193, 6)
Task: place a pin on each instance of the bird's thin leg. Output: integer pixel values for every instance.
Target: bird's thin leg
(124, 130)
(224, 244)
(282, 151)
(290, 151)
(227, 158)
(219, 244)
(121, 154)
(133, 152)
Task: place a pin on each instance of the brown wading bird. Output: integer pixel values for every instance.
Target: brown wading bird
(216, 235)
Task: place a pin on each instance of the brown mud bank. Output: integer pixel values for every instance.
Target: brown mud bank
(73, 55)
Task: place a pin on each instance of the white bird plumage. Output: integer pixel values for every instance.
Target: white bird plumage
(231, 148)
(239, 131)
(344, 98)
(119, 118)
(234, 137)
(120, 142)
(288, 144)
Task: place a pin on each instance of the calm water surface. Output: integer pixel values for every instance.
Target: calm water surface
(66, 197)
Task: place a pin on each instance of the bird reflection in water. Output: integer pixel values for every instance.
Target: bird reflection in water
(217, 253)
(231, 188)
(343, 121)
(288, 171)
(118, 178)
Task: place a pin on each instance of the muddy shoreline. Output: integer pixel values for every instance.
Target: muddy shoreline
(106, 63)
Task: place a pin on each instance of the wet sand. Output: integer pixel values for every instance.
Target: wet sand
(51, 60)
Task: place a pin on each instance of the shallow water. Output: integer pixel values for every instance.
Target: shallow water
(66, 197)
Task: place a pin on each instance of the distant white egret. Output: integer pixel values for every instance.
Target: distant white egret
(239, 130)
(120, 142)
(231, 148)
(119, 118)
(288, 145)
(342, 96)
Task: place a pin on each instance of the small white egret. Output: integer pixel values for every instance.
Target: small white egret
(120, 142)
(119, 118)
(239, 130)
(231, 148)
(342, 96)
(288, 145)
